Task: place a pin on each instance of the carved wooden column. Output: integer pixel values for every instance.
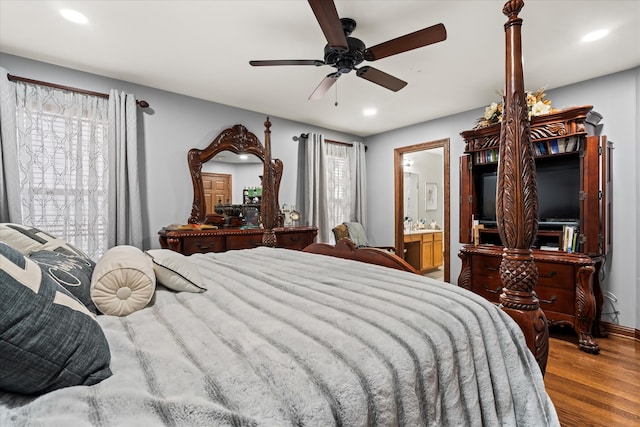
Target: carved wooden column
(267, 207)
(517, 199)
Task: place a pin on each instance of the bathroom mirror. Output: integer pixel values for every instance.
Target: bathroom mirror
(429, 233)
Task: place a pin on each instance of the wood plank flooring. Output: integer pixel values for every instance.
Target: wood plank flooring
(594, 390)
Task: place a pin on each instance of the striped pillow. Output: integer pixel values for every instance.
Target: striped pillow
(26, 239)
(48, 339)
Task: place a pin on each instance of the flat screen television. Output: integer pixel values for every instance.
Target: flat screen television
(558, 192)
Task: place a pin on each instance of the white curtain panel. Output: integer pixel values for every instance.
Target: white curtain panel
(10, 210)
(125, 211)
(63, 164)
(340, 185)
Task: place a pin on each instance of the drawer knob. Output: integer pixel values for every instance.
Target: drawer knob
(496, 291)
(550, 301)
(548, 276)
(488, 267)
(204, 247)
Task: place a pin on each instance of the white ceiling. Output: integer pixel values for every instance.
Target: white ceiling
(202, 49)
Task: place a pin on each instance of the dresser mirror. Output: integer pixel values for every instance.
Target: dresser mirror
(213, 171)
(230, 173)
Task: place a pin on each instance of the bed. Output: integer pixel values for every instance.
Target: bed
(275, 337)
(288, 338)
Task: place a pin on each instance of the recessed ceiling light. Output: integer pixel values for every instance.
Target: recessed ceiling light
(595, 35)
(243, 157)
(74, 16)
(369, 112)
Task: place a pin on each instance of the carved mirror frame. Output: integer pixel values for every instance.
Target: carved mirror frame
(236, 139)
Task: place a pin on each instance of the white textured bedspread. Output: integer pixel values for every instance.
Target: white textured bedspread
(284, 338)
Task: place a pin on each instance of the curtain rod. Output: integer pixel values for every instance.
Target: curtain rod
(141, 103)
(306, 135)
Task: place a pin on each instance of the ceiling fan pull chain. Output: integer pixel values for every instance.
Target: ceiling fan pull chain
(336, 103)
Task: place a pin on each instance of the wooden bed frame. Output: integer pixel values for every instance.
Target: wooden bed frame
(345, 248)
(517, 205)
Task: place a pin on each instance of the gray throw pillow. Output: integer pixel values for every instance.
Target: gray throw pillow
(48, 339)
(71, 271)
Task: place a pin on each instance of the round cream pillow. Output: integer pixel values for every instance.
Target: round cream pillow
(123, 281)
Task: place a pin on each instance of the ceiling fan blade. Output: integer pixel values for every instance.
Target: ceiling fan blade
(381, 78)
(420, 38)
(324, 86)
(327, 17)
(315, 62)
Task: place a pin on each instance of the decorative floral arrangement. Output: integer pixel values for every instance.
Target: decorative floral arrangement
(536, 104)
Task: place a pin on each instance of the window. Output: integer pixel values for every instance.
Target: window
(63, 160)
(339, 186)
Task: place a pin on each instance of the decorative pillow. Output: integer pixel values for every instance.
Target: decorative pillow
(71, 271)
(26, 239)
(357, 233)
(48, 339)
(123, 281)
(175, 271)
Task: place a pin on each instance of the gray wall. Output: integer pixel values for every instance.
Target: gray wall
(176, 123)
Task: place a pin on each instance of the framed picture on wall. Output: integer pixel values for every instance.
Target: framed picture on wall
(431, 196)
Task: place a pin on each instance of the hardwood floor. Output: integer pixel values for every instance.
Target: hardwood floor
(594, 390)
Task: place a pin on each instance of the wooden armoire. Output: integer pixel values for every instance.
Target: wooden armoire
(573, 166)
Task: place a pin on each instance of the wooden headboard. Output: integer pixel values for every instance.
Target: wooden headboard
(517, 198)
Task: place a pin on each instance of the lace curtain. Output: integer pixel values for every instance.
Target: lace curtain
(70, 164)
(331, 184)
(63, 164)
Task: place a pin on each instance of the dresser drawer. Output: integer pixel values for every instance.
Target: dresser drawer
(486, 266)
(202, 244)
(556, 275)
(489, 288)
(297, 241)
(556, 300)
(244, 241)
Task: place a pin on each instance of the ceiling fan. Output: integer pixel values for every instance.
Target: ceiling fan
(344, 53)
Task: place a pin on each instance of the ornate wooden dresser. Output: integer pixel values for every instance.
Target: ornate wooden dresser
(189, 242)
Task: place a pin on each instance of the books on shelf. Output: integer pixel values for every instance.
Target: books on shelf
(571, 144)
(556, 146)
(487, 156)
(540, 148)
(570, 240)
